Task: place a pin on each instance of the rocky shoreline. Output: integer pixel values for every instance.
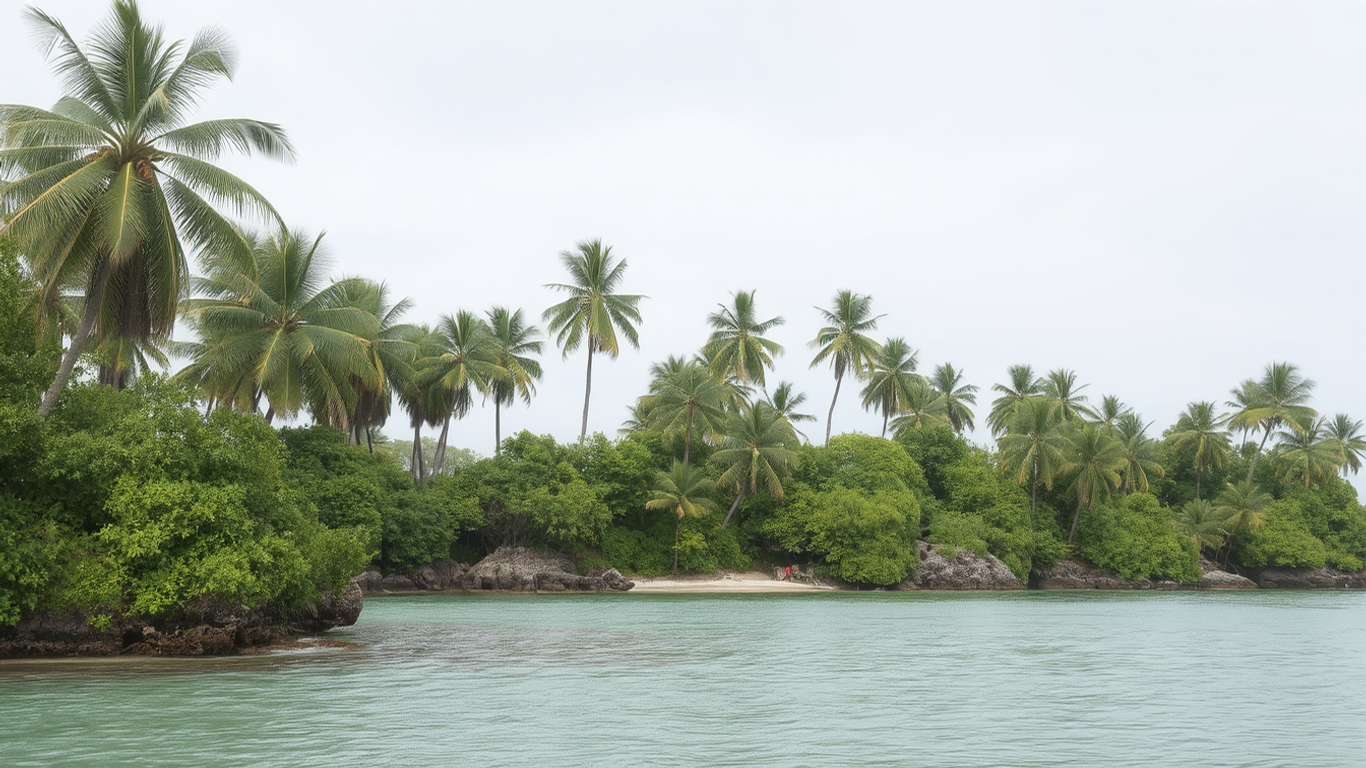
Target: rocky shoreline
(509, 569)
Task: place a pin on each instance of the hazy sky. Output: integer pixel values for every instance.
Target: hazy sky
(1163, 196)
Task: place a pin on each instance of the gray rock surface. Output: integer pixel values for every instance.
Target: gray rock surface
(520, 569)
(964, 570)
(1216, 578)
(1073, 574)
(1310, 578)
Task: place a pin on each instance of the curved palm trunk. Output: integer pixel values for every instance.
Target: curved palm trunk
(885, 415)
(587, 392)
(734, 506)
(1076, 517)
(830, 417)
(439, 461)
(1253, 466)
(93, 298)
(497, 427)
(415, 465)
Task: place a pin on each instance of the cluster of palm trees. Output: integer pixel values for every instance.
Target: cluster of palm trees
(1049, 432)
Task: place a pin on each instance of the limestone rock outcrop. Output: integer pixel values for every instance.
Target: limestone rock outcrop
(1216, 578)
(1310, 578)
(963, 570)
(1074, 574)
(520, 569)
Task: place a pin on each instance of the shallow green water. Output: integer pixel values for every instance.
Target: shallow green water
(1020, 679)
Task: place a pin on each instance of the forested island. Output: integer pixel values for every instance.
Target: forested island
(147, 506)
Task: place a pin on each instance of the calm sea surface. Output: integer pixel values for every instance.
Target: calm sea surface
(1005, 679)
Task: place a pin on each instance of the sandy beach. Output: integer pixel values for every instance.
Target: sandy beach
(723, 583)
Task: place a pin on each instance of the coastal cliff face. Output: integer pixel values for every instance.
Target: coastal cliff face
(509, 569)
(963, 570)
(206, 629)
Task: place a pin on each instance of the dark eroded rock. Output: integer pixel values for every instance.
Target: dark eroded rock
(1310, 578)
(1073, 574)
(520, 569)
(963, 570)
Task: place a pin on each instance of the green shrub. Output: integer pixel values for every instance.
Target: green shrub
(1136, 538)
(863, 538)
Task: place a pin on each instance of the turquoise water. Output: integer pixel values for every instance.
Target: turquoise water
(1017, 679)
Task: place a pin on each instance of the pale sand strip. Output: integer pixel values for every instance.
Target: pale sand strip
(725, 583)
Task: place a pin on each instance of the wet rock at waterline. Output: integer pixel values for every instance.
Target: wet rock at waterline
(961, 570)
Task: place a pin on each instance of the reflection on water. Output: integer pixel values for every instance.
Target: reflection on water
(1027, 679)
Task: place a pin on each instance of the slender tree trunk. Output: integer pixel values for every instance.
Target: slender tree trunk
(587, 392)
(678, 524)
(1253, 466)
(93, 298)
(830, 417)
(497, 427)
(369, 440)
(687, 436)
(885, 415)
(419, 465)
(1033, 484)
(1076, 517)
(734, 506)
(439, 461)
(1197, 483)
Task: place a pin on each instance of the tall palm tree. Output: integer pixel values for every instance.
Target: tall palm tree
(1307, 451)
(1061, 386)
(420, 402)
(685, 400)
(1278, 398)
(889, 374)
(684, 490)
(1139, 453)
(459, 360)
(1093, 460)
(512, 343)
(1032, 450)
(957, 396)
(1347, 432)
(1109, 413)
(1205, 523)
(844, 340)
(923, 406)
(594, 314)
(786, 401)
(103, 187)
(270, 325)
(388, 349)
(754, 455)
(1006, 408)
(1243, 507)
(1200, 429)
(737, 348)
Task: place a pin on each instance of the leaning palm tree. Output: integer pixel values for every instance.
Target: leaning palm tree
(1094, 460)
(271, 326)
(1006, 408)
(889, 375)
(844, 341)
(512, 343)
(754, 455)
(459, 360)
(1278, 398)
(1200, 430)
(957, 396)
(737, 348)
(103, 187)
(1347, 432)
(595, 313)
(686, 491)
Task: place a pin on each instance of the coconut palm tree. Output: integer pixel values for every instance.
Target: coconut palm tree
(390, 350)
(1350, 439)
(1200, 430)
(1006, 408)
(460, 360)
(1109, 413)
(1093, 460)
(786, 401)
(1032, 451)
(1205, 523)
(686, 491)
(890, 372)
(272, 326)
(923, 406)
(1139, 453)
(1243, 507)
(1061, 386)
(512, 343)
(1307, 451)
(754, 455)
(737, 348)
(843, 341)
(686, 400)
(594, 314)
(1278, 398)
(103, 188)
(420, 402)
(957, 396)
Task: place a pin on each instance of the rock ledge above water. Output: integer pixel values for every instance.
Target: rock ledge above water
(963, 570)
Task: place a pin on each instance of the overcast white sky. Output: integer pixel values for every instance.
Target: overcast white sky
(1163, 196)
